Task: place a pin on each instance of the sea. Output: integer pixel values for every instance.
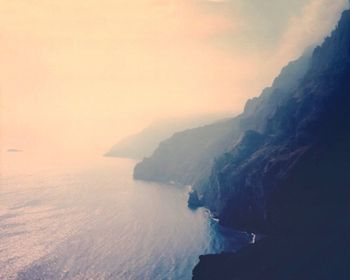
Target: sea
(93, 221)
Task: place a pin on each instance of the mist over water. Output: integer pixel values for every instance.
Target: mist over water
(92, 221)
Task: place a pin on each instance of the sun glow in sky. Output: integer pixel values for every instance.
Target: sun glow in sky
(75, 76)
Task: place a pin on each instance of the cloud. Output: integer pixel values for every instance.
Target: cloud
(317, 19)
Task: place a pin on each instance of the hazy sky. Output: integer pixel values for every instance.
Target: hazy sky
(77, 75)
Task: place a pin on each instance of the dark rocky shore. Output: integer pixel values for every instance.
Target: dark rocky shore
(297, 257)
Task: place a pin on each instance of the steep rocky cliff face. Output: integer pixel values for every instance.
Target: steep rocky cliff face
(297, 157)
(188, 157)
(291, 180)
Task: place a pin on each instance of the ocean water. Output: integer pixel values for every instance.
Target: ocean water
(93, 221)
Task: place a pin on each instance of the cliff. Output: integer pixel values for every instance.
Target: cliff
(290, 179)
(299, 152)
(188, 157)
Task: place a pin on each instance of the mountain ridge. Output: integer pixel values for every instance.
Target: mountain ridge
(294, 186)
(188, 156)
(145, 142)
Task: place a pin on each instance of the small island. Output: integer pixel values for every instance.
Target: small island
(14, 151)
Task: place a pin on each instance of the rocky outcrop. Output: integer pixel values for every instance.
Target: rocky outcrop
(293, 183)
(297, 257)
(301, 149)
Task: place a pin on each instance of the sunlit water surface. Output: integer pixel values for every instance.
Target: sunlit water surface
(93, 221)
